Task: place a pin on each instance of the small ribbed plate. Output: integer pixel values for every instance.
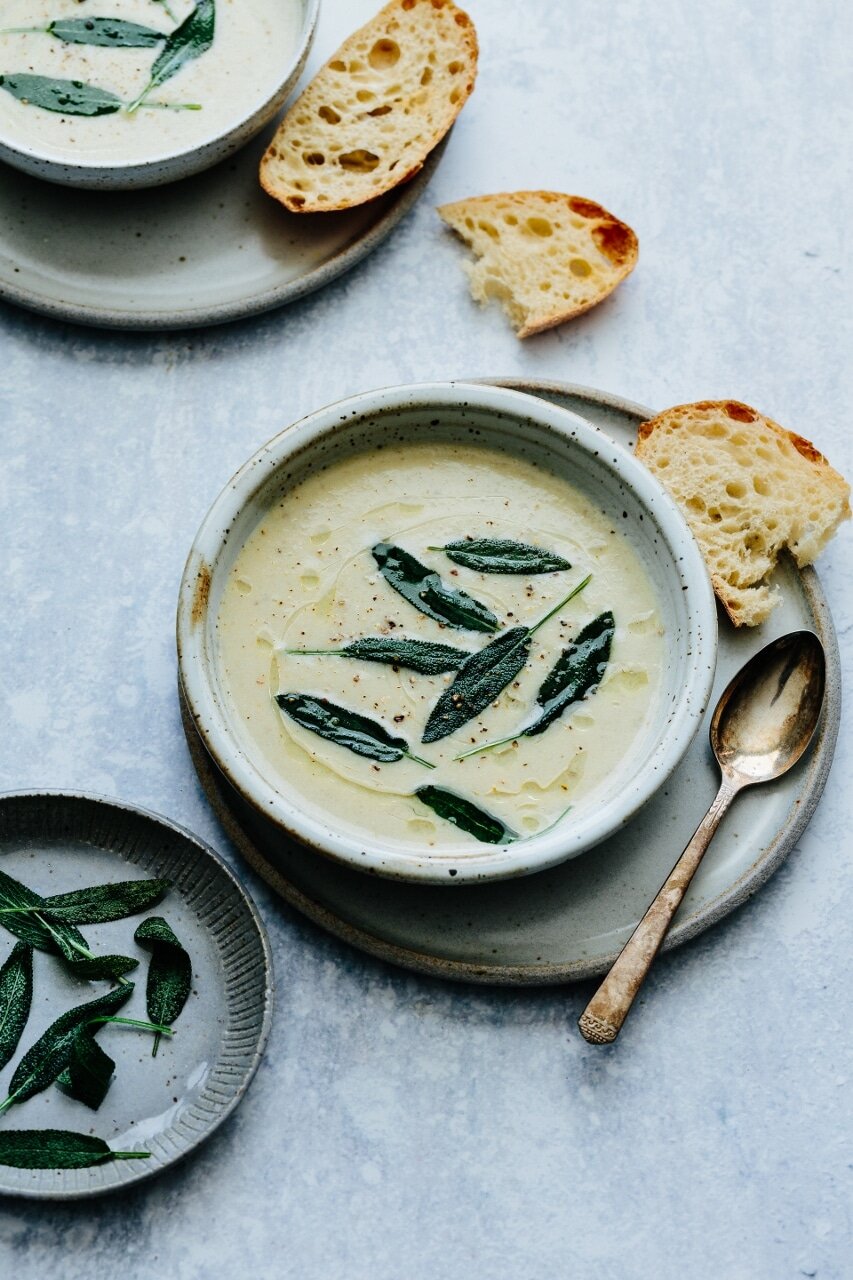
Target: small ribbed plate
(56, 842)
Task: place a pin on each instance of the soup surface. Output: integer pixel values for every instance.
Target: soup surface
(243, 65)
(306, 578)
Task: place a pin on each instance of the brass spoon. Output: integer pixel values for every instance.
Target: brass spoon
(761, 726)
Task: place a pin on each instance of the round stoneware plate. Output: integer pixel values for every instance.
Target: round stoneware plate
(198, 252)
(167, 1105)
(571, 921)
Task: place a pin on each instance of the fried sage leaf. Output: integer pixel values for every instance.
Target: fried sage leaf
(106, 33)
(480, 680)
(105, 968)
(484, 675)
(104, 902)
(16, 996)
(52, 1052)
(576, 673)
(465, 815)
(169, 973)
(89, 1074)
(502, 555)
(359, 734)
(57, 1149)
(68, 97)
(423, 588)
(414, 655)
(22, 913)
(186, 43)
(579, 669)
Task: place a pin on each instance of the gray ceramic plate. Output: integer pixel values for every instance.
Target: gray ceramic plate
(198, 252)
(570, 922)
(167, 1105)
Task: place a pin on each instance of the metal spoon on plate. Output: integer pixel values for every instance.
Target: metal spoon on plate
(760, 728)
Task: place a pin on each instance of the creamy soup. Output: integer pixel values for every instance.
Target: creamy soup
(232, 74)
(306, 579)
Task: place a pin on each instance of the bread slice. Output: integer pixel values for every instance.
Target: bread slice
(748, 488)
(373, 113)
(545, 256)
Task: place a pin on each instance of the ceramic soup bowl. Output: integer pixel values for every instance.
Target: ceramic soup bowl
(163, 95)
(534, 438)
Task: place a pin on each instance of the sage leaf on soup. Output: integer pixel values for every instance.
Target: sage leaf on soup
(102, 903)
(413, 655)
(485, 675)
(16, 996)
(186, 43)
(169, 973)
(466, 816)
(502, 555)
(478, 683)
(68, 97)
(57, 1149)
(358, 733)
(105, 33)
(52, 1052)
(577, 672)
(424, 589)
(89, 1073)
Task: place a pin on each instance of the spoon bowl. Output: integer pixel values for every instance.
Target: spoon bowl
(767, 714)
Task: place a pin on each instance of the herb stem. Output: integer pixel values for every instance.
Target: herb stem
(135, 1022)
(25, 31)
(171, 106)
(557, 607)
(8, 1101)
(489, 746)
(130, 107)
(130, 1155)
(418, 760)
(311, 653)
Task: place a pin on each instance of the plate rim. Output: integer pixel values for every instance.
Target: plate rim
(738, 892)
(246, 307)
(140, 1172)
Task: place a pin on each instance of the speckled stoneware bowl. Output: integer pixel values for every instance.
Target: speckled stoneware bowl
(507, 420)
(170, 165)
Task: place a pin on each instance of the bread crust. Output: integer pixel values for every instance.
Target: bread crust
(798, 499)
(613, 238)
(417, 104)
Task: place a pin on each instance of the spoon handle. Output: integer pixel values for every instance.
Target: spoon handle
(601, 1021)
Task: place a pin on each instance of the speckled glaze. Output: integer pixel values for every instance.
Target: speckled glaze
(500, 418)
(181, 164)
(568, 924)
(171, 1104)
(158, 260)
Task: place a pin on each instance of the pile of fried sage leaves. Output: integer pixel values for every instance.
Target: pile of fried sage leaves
(68, 1054)
(480, 675)
(188, 41)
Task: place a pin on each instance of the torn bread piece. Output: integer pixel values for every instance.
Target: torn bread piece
(374, 112)
(545, 256)
(748, 488)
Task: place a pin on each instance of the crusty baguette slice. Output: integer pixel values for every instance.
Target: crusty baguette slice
(373, 113)
(545, 256)
(748, 488)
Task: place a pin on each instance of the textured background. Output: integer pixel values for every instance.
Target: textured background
(399, 1127)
